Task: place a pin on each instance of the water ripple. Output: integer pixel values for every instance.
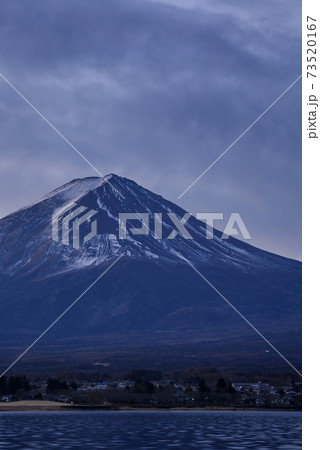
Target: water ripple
(151, 430)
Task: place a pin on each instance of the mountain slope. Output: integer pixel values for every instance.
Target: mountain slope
(151, 298)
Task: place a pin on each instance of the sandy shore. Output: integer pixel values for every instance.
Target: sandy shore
(32, 405)
(45, 405)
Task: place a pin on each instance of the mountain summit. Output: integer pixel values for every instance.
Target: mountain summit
(151, 299)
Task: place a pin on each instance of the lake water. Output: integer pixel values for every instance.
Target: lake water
(151, 430)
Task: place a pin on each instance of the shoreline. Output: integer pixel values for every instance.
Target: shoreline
(50, 406)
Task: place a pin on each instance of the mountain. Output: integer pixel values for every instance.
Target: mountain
(151, 309)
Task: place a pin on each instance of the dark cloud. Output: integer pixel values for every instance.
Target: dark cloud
(155, 91)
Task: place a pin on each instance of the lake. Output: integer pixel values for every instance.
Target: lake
(151, 430)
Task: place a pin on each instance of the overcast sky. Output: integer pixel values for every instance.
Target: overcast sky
(156, 90)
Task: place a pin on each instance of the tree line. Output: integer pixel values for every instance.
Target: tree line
(13, 384)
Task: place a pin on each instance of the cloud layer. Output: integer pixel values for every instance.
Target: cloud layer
(155, 91)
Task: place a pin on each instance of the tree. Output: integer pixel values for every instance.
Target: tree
(54, 384)
(149, 387)
(221, 385)
(15, 384)
(3, 385)
(203, 387)
(231, 389)
(143, 388)
(74, 385)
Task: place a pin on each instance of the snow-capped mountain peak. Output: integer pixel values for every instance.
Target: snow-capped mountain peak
(31, 246)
